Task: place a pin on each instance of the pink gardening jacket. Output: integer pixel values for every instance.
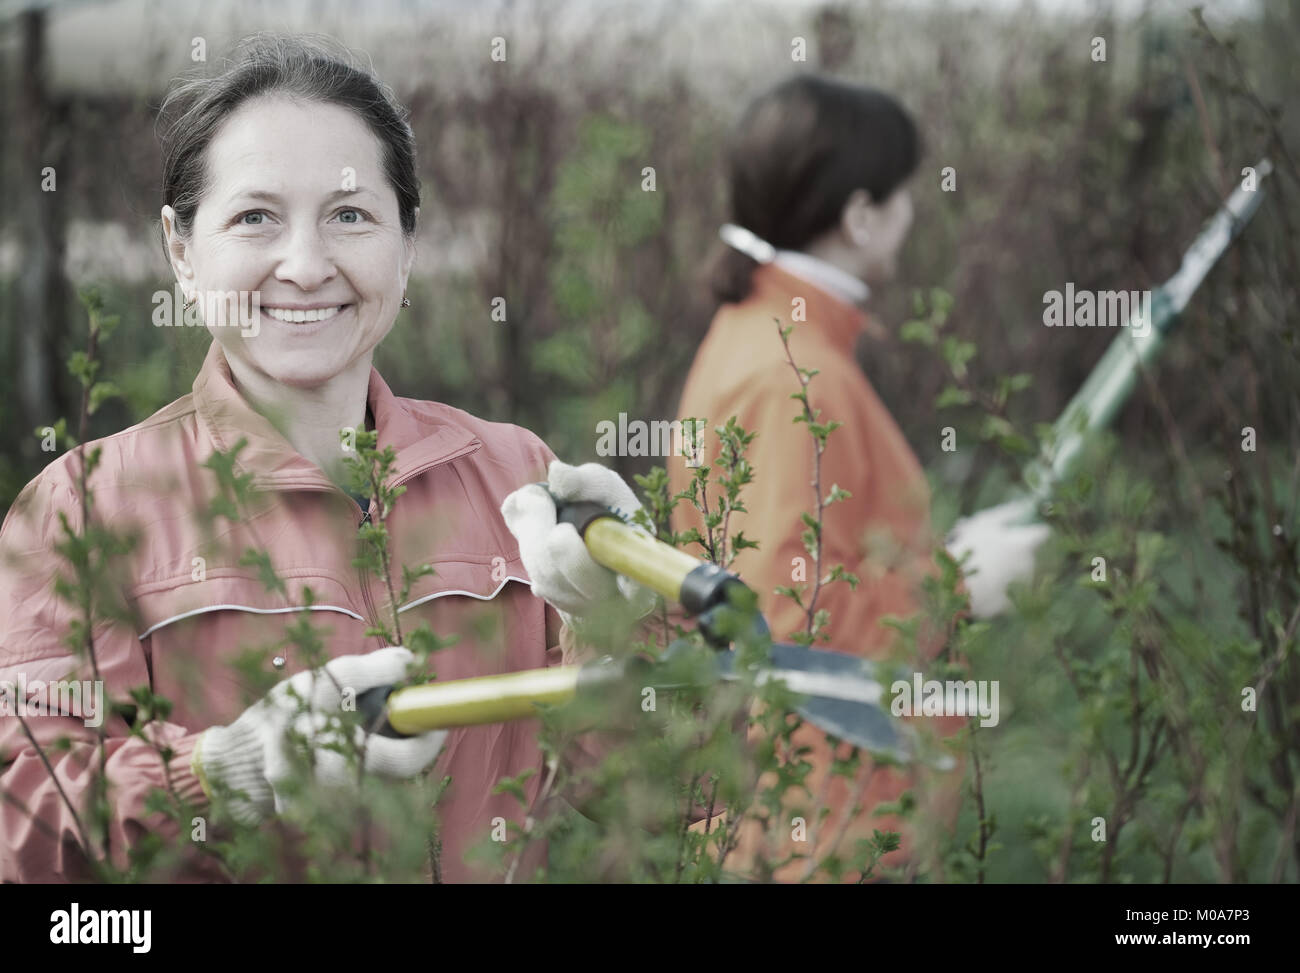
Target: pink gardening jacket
(194, 617)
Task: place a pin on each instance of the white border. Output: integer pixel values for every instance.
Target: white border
(334, 608)
(439, 594)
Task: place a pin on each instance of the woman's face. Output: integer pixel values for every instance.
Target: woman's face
(300, 227)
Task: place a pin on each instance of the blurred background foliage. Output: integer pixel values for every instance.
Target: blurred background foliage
(1067, 170)
(534, 172)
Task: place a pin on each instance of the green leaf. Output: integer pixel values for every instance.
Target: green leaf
(82, 368)
(918, 332)
(952, 396)
(957, 353)
(100, 392)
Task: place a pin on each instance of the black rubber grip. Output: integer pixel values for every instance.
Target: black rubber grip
(706, 586)
(371, 705)
(581, 514)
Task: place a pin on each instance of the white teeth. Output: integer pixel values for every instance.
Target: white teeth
(300, 317)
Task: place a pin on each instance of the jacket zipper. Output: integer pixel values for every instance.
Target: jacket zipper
(372, 611)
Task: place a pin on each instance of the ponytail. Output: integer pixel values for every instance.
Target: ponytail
(730, 274)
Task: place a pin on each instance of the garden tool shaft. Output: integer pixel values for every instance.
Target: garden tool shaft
(1136, 344)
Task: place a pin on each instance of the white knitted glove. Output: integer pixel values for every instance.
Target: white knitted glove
(1001, 549)
(555, 557)
(251, 755)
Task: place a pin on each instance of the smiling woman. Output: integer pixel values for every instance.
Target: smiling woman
(289, 192)
(309, 203)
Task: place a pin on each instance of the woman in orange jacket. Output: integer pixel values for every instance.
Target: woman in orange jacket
(819, 211)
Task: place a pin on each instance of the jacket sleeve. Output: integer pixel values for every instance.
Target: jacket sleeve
(49, 758)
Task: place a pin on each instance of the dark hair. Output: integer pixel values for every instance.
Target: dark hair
(314, 68)
(800, 150)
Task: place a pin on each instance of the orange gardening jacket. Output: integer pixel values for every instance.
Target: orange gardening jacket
(882, 533)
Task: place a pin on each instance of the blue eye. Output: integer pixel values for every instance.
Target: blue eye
(355, 212)
(257, 212)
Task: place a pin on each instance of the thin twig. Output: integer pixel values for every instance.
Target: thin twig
(552, 767)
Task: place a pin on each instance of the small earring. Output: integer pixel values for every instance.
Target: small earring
(406, 301)
(188, 303)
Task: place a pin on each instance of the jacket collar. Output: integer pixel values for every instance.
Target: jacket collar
(838, 322)
(422, 437)
(838, 283)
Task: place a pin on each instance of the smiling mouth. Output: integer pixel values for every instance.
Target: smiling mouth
(302, 317)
